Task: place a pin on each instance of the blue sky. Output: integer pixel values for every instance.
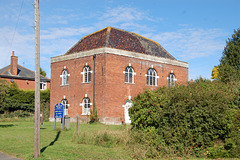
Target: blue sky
(194, 31)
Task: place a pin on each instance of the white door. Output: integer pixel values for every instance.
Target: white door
(126, 113)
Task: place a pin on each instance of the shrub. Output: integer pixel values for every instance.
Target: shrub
(184, 120)
(93, 116)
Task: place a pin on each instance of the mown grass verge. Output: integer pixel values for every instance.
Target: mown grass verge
(100, 141)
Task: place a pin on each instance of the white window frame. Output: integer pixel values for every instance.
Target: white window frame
(127, 74)
(65, 77)
(65, 107)
(151, 77)
(86, 74)
(43, 85)
(86, 106)
(171, 79)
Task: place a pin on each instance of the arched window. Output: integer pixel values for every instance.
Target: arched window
(129, 74)
(65, 76)
(86, 74)
(86, 106)
(171, 80)
(151, 77)
(65, 105)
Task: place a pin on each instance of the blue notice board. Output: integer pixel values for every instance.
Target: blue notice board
(58, 113)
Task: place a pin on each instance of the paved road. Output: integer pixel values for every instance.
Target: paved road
(7, 157)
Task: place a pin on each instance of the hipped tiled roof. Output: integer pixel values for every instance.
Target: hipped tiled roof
(22, 73)
(119, 39)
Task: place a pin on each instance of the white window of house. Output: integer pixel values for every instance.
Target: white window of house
(129, 74)
(65, 106)
(65, 76)
(86, 106)
(86, 74)
(171, 80)
(151, 77)
(43, 85)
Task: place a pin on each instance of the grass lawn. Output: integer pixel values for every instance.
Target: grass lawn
(17, 139)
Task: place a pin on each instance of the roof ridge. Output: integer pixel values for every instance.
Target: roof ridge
(153, 42)
(7, 68)
(84, 38)
(107, 36)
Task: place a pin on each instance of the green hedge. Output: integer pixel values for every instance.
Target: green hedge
(186, 120)
(20, 103)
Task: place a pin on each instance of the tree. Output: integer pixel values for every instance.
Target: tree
(229, 68)
(215, 73)
(42, 72)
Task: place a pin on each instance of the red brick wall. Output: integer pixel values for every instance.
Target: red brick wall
(111, 90)
(25, 84)
(118, 91)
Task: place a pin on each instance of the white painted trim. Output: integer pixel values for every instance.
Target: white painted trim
(106, 50)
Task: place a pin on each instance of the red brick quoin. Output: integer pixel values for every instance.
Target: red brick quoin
(113, 50)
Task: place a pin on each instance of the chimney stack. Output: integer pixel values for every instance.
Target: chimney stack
(14, 64)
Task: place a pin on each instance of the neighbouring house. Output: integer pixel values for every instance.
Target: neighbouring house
(108, 68)
(23, 77)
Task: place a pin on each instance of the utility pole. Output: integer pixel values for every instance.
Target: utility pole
(37, 83)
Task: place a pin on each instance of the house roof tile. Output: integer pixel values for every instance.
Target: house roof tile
(22, 73)
(120, 39)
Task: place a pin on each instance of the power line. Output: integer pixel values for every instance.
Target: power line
(16, 27)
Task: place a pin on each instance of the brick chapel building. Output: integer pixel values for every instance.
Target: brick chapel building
(23, 77)
(108, 68)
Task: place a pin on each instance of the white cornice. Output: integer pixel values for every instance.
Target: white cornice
(107, 50)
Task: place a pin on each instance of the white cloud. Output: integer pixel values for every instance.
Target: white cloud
(191, 43)
(22, 44)
(56, 33)
(125, 18)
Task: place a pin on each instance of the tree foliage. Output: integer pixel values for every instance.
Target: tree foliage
(3, 91)
(229, 68)
(215, 73)
(42, 72)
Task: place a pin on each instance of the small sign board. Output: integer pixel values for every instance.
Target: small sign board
(58, 113)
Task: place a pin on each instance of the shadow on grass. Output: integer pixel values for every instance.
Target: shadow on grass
(52, 143)
(6, 125)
